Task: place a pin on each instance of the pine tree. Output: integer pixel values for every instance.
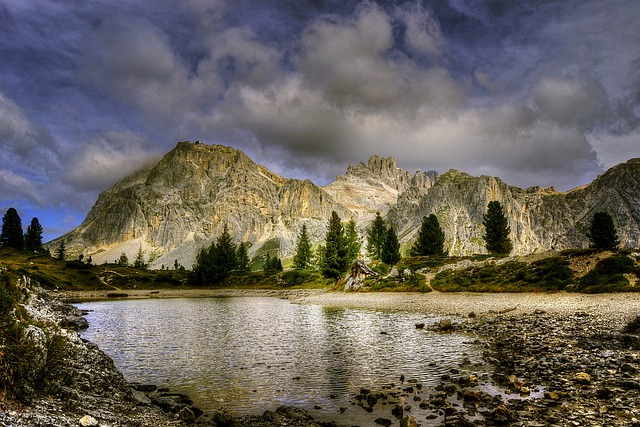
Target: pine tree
(11, 235)
(61, 251)
(353, 242)
(430, 239)
(602, 232)
(224, 256)
(138, 262)
(123, 261)
(33, 236)
(334, 261)
(242, 258)
(304, 253)
(390, 253)
(375, 236)
(497, 230)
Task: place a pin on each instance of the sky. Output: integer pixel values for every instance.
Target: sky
(542, 92)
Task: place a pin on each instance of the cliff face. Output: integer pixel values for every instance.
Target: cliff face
(175, 207)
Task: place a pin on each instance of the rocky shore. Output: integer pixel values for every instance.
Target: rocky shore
(554, 360)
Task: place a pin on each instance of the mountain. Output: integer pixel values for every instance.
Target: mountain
(172, 209)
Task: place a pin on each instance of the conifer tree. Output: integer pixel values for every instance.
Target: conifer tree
(376, 233)
(123, 261)
(138, 262)
(334, 261)
(390, 253)
(497, 230)
(11, 235)
(224, 256)
(304, 253)
(33, 236)
(242, 258)
(430, 239)
(62, 251)
(602, 232)
(352, 240)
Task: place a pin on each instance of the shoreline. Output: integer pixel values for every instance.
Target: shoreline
(459, 304)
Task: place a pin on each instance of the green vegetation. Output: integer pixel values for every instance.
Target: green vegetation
(609, 276)
(548, 274)
(430, 239)
(602, 232)
(497, 230)
(390, 253)
(376, 236)
(304, 254)
(334, 257)
(11, 235)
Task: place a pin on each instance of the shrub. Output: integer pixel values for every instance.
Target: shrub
(608, 276)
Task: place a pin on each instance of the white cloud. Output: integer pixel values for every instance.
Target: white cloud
(423, 33)
(15, 186)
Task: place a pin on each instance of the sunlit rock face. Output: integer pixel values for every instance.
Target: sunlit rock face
(172, 209)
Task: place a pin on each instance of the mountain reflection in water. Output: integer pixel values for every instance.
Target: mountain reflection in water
(249, 354)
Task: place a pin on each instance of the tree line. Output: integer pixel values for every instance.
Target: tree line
(342, 244)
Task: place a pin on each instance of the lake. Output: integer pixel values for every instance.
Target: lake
(249, 354)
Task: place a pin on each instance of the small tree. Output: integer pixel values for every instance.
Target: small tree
(138, 262)
(33, 236)
(352, 240)
(602, 232)
(304, 253)
(390, 248)
(430, 239)
(272, 264)
(61, 252)
(497, 230)
(334, 260)
(11, 235)
(375, 236)
(123, 261)
(242, 257)
(224, 256)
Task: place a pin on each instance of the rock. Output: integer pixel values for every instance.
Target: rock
(583, 378)
(408, 421)
(386, 422)
(445, 325)
(398, 411)
(88, 421)
(187, 415)
(140, 398)
(420, 325)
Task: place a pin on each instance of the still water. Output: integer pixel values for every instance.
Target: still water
(249, 354)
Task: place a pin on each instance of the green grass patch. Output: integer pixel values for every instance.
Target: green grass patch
(608, 276)
(548, 274)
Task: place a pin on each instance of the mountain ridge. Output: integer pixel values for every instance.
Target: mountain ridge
(173, 208)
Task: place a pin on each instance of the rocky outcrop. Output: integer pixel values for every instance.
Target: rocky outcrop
(174, 208)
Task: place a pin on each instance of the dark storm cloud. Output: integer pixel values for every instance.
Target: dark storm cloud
(539, 93)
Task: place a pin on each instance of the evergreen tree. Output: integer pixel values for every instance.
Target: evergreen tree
(272, 264)
(242, 257)
(304, 253)
(11, 235)
(497, 230)
(138, 262)
(353, 242)
(33, 237)
(390, 253)
(430, 239)
(602, 232)
(61, 251)
(334, 261)
(123, 261)
(224, 256)
(375, 236)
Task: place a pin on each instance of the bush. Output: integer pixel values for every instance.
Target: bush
(608, 276)
(297, 276)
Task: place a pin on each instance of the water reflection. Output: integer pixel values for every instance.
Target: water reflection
(249, 354)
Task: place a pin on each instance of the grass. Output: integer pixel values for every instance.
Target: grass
(548, 274)
(609, 276)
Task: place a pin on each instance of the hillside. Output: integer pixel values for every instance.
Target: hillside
(182, 203)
